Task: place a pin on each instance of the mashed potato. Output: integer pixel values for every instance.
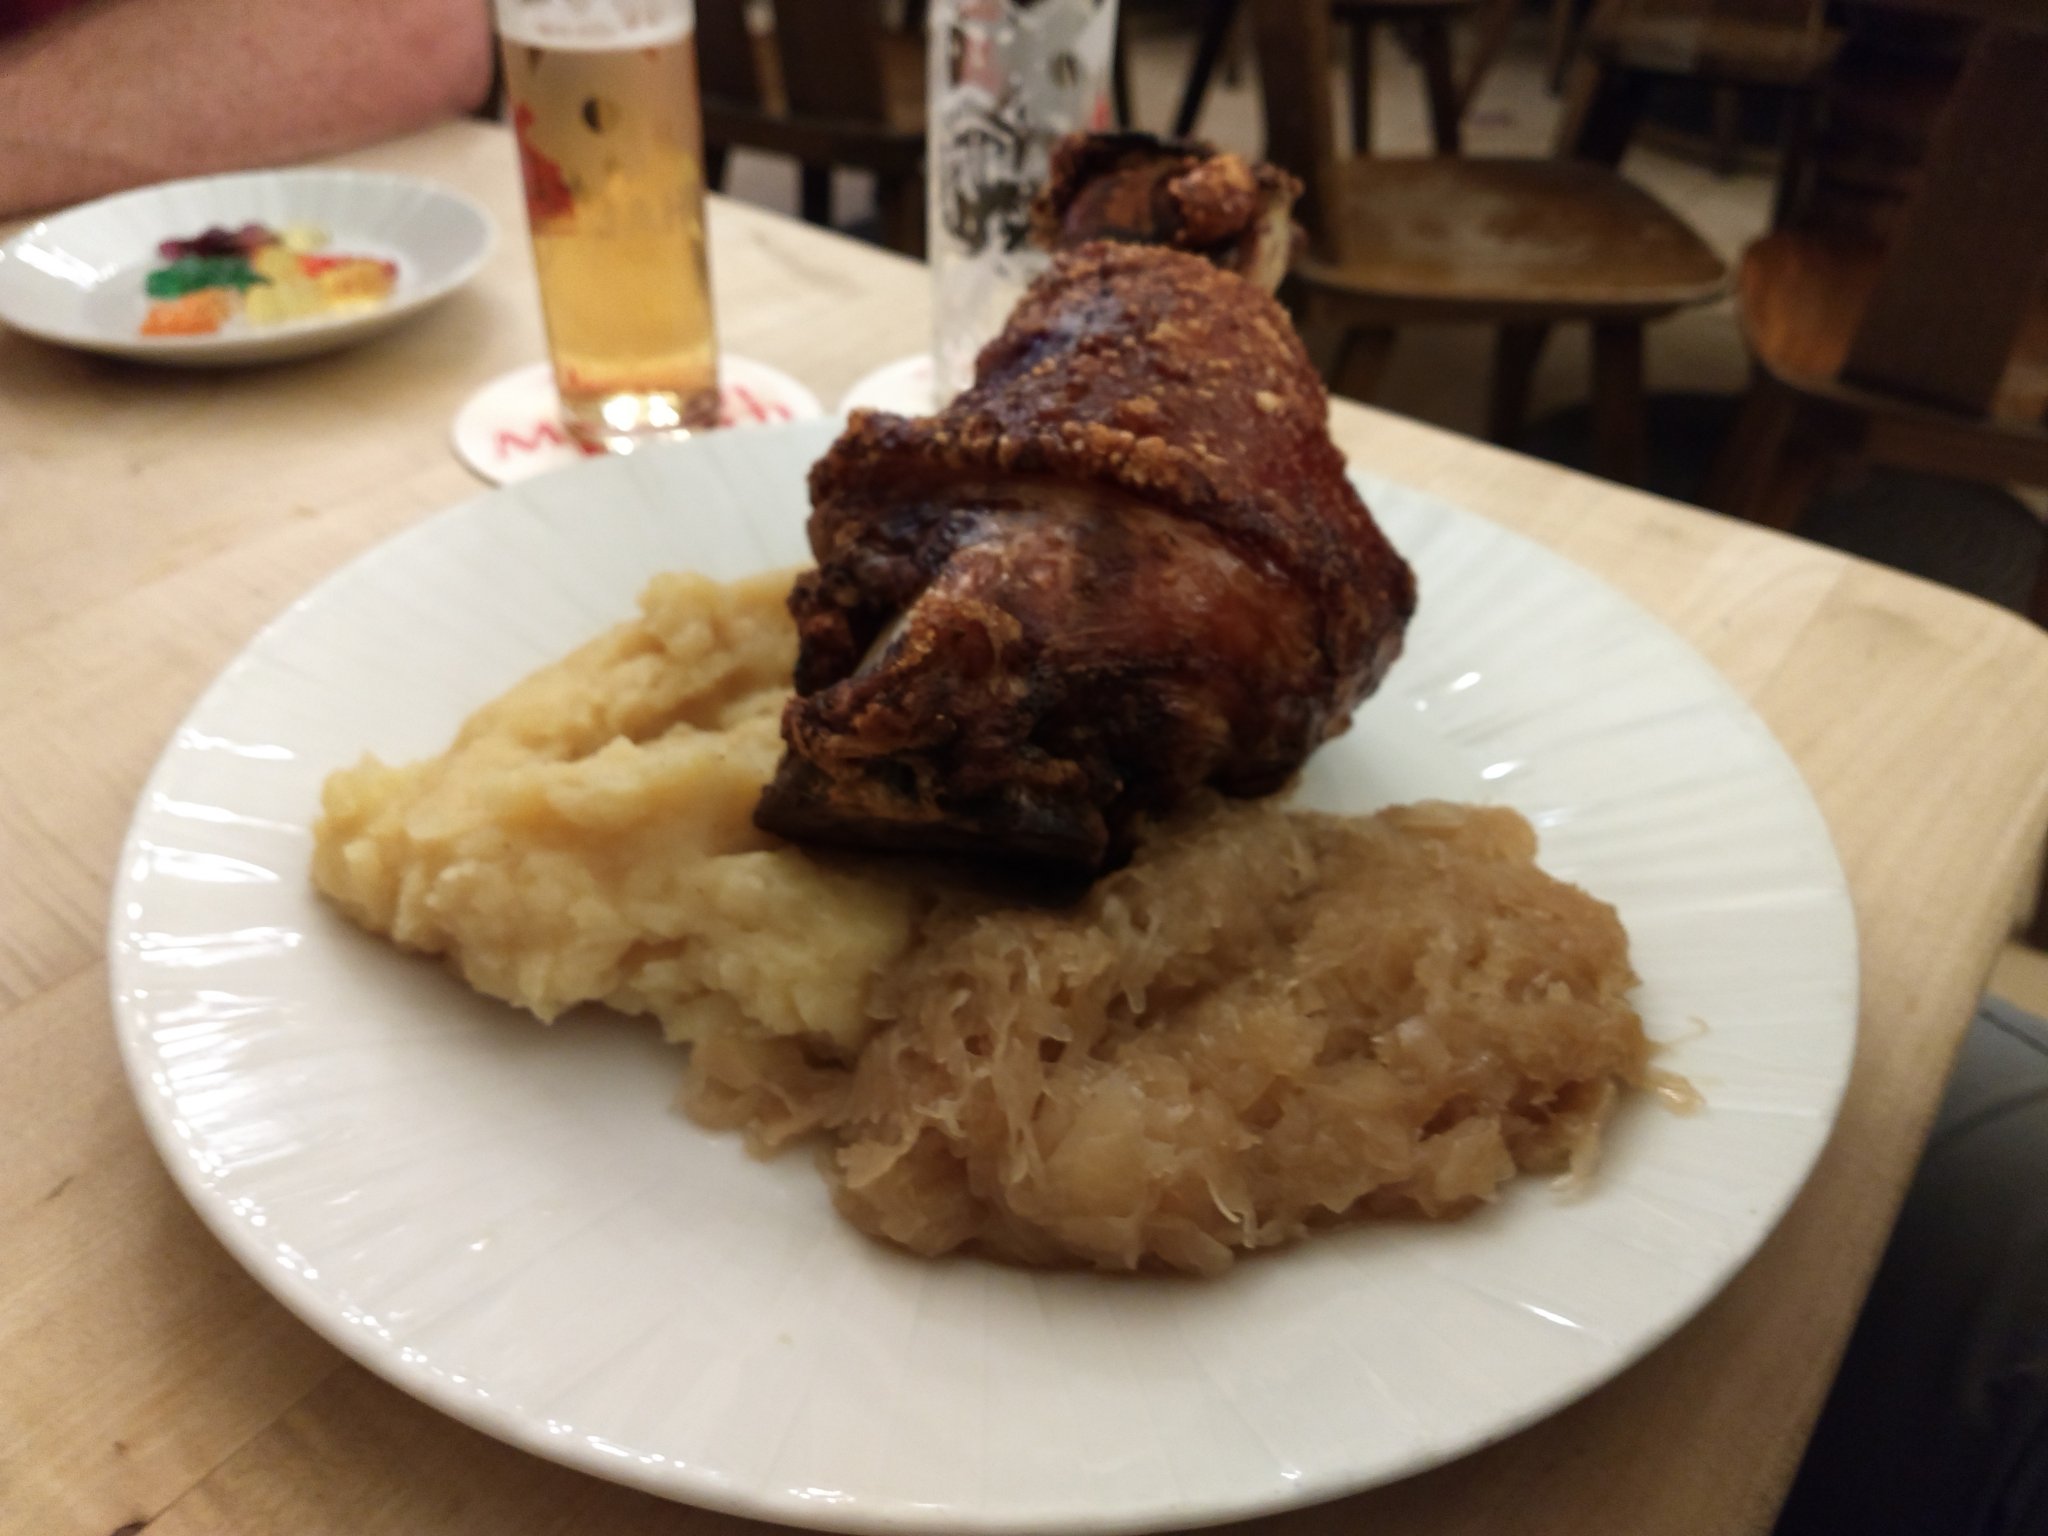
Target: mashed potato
(589, 838)
(1269, 1021)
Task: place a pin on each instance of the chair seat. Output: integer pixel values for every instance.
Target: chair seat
(1506, 239)
(1802, 296)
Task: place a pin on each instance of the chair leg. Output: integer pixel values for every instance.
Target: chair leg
(1217, 21)
(1795, 163)
(1618, 413)
(814, 196)
(1433, 43)
(1742, 469)
(2037, 931)
(1805, 466)
(1782, 454)
(1348, 355)
(900, 202)
(717, 157)
(1727, 129)
(1361, 87)
(1562, 37)
(1323, 332)
(1601, 111)
(1237, 43)
(1516, 351)
(2037, 609)
(1496, 21)
(1362, 361)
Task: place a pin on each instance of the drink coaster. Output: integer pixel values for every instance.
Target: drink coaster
(512, 429)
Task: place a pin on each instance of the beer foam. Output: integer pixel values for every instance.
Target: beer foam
(596, 26)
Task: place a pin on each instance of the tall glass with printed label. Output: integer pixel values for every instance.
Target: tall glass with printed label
(1008, 79)
(603, 98)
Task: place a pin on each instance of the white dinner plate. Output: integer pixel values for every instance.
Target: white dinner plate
(76, 277)
(515, 1225)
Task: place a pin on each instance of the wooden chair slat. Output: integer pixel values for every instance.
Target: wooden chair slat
(725, 54)
(831, 54)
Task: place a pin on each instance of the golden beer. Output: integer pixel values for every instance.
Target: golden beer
(611, 150)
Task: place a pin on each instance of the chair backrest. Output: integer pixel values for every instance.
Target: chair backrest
(1804, 15)
(1966, 263)
(1708, 37)
(2017, 13)
(821, 60)
(1294, 46)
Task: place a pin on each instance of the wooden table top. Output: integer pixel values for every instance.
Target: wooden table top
(151, 521)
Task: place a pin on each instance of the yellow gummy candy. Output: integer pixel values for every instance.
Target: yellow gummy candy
(274, 263)
(356, 282)
(276, 302)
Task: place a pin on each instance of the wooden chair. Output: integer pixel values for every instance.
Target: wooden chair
(830, 85)
(1927, 349)
(1729, 45)
(1518, 244)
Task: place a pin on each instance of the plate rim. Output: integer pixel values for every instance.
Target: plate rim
(320, 330)
(709, 1489)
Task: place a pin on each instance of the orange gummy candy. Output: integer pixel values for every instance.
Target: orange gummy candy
(199, 313)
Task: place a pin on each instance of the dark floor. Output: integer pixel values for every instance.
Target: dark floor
(1938, 1422)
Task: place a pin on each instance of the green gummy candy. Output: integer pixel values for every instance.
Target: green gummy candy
(189, 273)
(165, 283)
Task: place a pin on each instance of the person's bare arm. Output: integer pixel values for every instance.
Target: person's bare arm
(124, 92)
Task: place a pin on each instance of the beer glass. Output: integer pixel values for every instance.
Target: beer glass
(603, 98)
(1008, 78)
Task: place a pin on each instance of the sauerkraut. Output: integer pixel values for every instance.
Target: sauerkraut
(1270, 1021)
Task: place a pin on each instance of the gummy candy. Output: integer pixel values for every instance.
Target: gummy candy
(358, 282)
(190, 273)
(296, 298)
(275, 264)
(199, 313)
(217, 242)
(269, 276)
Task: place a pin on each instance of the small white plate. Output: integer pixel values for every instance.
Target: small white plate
(514, 1224)
(76, 278)
(904, 386)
